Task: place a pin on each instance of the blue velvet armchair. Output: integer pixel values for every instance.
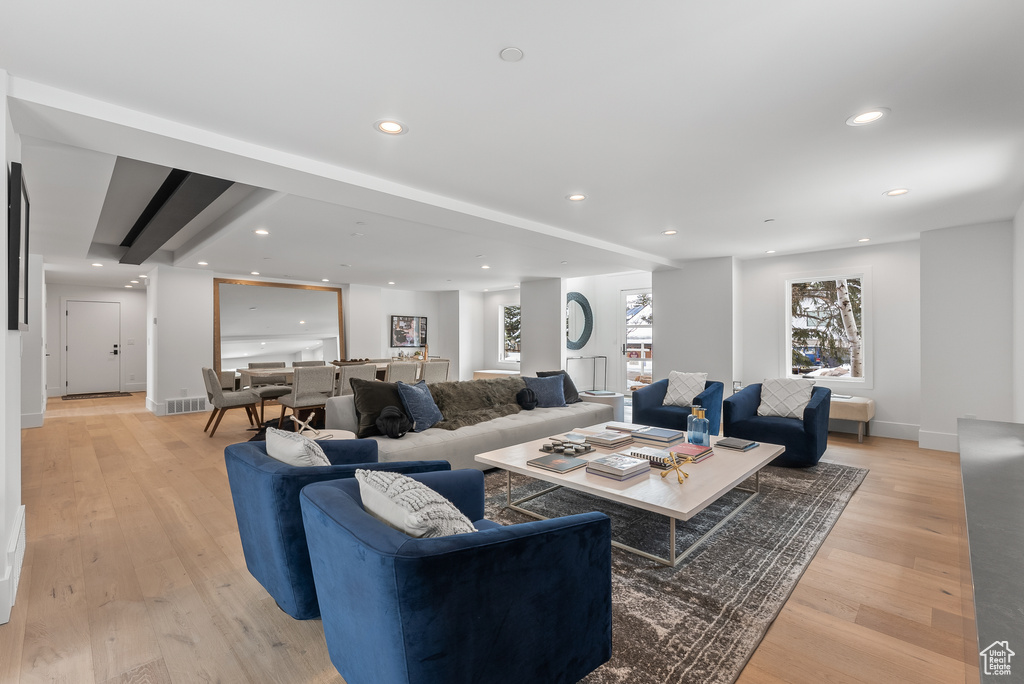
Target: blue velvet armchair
(648, 408)
(805, 440)
(503, 605)
(265, 493)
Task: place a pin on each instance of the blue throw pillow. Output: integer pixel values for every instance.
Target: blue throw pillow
(419, 405)
(550, 391)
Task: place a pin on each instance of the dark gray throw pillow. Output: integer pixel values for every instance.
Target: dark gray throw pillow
(569, 389)
(550, 391)
(419, 405)
(371, 396)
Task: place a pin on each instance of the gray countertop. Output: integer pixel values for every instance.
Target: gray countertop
(992, 463)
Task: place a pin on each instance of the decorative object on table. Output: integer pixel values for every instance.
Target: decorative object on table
(559, 463)
(677, 467)
(702, 620)
(579, 321)
(566, 448)
(17, 249)
(408, 331)
(697, 427)
(805, 439)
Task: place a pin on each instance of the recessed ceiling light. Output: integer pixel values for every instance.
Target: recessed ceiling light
(770, 251)
(485, 266)
(325, 280)
(143, 276)
(486, 290)
(391, 282)
(864, 240)
(97, 264)
(302, 322)
(262, 231)
(868, 117)
(262, 342)
(134, 282)
(516, 286)
(669, 232)
(245, 353)
(576, 198)
(254, 272)
(896, 192)
(202, 263)
(127, 285)
(511, 54)
(390, 127)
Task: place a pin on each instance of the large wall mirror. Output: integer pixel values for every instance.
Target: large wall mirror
(255, 321)
(579, 321)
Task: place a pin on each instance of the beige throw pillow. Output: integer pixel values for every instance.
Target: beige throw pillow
(294, 449)
(409, 506)
(683, 387)
(785, 397)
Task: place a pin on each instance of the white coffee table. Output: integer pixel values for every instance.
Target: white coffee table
(708, 481)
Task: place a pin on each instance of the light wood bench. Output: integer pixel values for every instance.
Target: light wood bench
(859, 409)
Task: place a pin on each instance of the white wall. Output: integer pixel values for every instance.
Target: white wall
(693, 319)
(33, 368)
(179, 326)
(361, 310)
(408, 303)
(11, 511)
(894, 302)
(605, 296)
(966, 328)
(471, 320)
(542, 336)
(492, 331)
(132, 335)
(1018, 316)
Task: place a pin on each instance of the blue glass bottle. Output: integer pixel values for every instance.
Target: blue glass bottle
(698, 427)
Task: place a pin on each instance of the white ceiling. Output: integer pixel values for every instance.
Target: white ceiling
(707, 118)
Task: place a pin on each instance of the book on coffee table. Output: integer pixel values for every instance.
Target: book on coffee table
(736, 444)
(657, 435)
(558, 463)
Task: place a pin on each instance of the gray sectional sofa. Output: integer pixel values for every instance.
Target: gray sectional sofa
(459, 447)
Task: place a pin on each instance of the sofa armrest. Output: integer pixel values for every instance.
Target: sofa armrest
(464, 488)
(741, 405)
(817, 410)
(651, 396)
(340, 413)
(346, 451)
(711, 400)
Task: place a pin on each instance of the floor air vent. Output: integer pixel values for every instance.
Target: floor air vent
(186, 405)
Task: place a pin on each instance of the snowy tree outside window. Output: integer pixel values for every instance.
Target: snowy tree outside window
(510, 318)
(826, 328)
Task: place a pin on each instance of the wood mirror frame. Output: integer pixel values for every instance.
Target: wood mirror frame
(217, 282)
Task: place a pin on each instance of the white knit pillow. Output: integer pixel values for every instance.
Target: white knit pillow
(409, 506)
(785, 397)
(683, 387)
(294, 449)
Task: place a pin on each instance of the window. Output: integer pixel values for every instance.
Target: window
(826, 328)
(510, 322)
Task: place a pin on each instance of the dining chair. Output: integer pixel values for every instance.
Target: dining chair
(311, 387)
(227, 380)
(435, 371)
(365, 371)
(269, 379)
(404, 371)
(307, 364)
(264, 391)
(222, 401)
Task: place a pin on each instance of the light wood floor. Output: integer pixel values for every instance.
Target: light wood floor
(134, 571)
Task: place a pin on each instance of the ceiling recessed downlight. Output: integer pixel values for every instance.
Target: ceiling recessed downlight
(577, 197)
(391, 282)
(97, 264)
(254, 272)
(262, 231)
(669, 232)
(896, 192)
(511, 54)
(325, 280)
(134, 282)
(390, 126)
(485, 266)
(769, 251)
(516, 286)
(127, 285)
(143, 276)
(864, 240)
(302, 322)
(869, 116)
(202, 263)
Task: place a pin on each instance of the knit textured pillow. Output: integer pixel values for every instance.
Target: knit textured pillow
(409, 506)
(785, 397)
(294, 449)
(683, 387)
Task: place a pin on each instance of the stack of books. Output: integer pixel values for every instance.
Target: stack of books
(609, 439)
(622, 427)
(657, 435)
(736, 443)
(558, 463)
(695, 451)
(660, 458)
(618, 467)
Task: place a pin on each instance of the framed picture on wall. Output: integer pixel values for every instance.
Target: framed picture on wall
(17, 249)
(408, 331)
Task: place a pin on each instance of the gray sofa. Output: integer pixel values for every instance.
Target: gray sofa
(459, 447)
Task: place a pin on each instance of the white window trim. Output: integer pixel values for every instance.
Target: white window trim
(837, 385)
(501, 335)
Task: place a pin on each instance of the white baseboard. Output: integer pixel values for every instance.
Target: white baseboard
(877, 428)
(32, 420)
(55, 391)
(135, 387)
(155, 407)
(13, 559)
(940, 441)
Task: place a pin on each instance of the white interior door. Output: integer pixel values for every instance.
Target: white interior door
(93, 347)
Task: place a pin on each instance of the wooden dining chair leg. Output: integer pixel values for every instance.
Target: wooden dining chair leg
(248, 413)
(280, 421)
(213, 414)
(256, 415)
(220, 414)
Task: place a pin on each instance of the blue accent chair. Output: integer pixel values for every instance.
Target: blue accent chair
(265, 492)
(805, 440)
(522, 603)
(648, 408)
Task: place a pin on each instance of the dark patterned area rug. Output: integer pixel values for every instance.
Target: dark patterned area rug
(701, 621)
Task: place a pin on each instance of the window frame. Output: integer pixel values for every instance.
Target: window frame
(836, 384)
(501, 333)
